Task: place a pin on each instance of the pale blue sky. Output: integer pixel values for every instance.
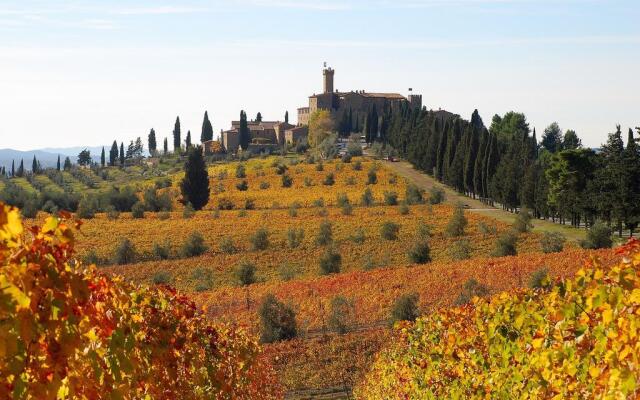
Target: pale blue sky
(88, 72)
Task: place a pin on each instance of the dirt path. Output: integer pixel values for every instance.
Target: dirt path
(426, 182)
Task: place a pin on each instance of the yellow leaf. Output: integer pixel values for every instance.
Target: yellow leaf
(23, 301)
(537, 343)
(594, 371)
(607, 316)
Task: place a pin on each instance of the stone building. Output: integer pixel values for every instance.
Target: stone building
(262, 133)
(354, 103)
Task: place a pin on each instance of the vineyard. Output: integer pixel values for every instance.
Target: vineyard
(311, 235)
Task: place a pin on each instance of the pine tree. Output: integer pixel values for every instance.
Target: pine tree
(187, 141)
(286, 117)
(571, 140)
(103, 159)
(152, 143)
(122, 153)
(166, 145)
(258, 117)
(58, 163)
(207, 129)
(113, 154)
(552, 138)
(177, 141)
(84, 157)
(195, 184)
(244, 131)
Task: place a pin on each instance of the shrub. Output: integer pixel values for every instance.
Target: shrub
(318, 202)
(487, 229)
(225, 204)
(351, 181)
(404, 308)
(154, 202)
(112, 213)
(288, 271)
(307, 181)
(598, 237)
(419, 253)
(552, 242)
(281, 169)
(346, 209)
(329, 180)
(372, 177)
(161, 278)
(346, 158)
(295, 237)
(188, 211)
(277, 321)
(227, 246)
(30, 209)
(319, 167)
(137, 211)
(342, 199)
(354, 149)
(389, 230)
(403, 209)
(222, 175)
(367, 198)
(91, 258)
(161, 251)
(87, 207)
(357, 166)
(125, 253)
(242, 185)
(460, 250)
(325, 234)
(436, 195)
(193, 246)
(358, 236)
(457, 223)
(203, 279)
(246, 273)
(393, 179)
(506, 245)
(264, 185)
(162, 183)
(413, 194)
(240, 171)
(341, 312)
(471, 289)
(523, 223)
(287, 181)
(330, 262)
(164, 215)
(259, 240)
(540, 279)
(424, 230)
(390, 198)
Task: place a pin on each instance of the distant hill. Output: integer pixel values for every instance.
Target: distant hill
(47, 156)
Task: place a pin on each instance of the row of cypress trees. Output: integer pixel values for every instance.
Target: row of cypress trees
(505, 164)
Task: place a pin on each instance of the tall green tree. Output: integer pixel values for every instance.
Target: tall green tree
(103, 158)
(122, 157)
(571, 141)
(552, 138)
(258, 117)
(113, 154)
(207, 129)
(243, 131)
(187, 141)
(177, 141)
(58, 163)
(166, 146)
(67, 164)
(84, 158)
(13, 168)
(34, 165)
(631, 161)
(286, 117)
(152, 143)
(195, 184)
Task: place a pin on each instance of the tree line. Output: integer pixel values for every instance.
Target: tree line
(556, 178)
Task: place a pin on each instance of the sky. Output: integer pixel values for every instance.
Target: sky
(89, 72)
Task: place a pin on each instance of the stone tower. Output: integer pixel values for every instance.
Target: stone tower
(328, 79)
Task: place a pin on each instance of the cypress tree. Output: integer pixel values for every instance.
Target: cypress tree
(103, 159)
(21, 168)
(243, 131)
(187, 141)
(286, 117)
(121, 153)
(13, 168)
(195, 184)
(113, 153)
(365, 127)
(631, 160)
(177, 141)
(67, 164)
(152, 143)
(34, 165)
(166, 146)
(58, 163)
(258, 117)
(207, 129)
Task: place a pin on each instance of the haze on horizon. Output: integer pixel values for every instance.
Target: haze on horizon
(85, 73)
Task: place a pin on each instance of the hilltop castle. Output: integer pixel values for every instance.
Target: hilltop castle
(352, 105)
